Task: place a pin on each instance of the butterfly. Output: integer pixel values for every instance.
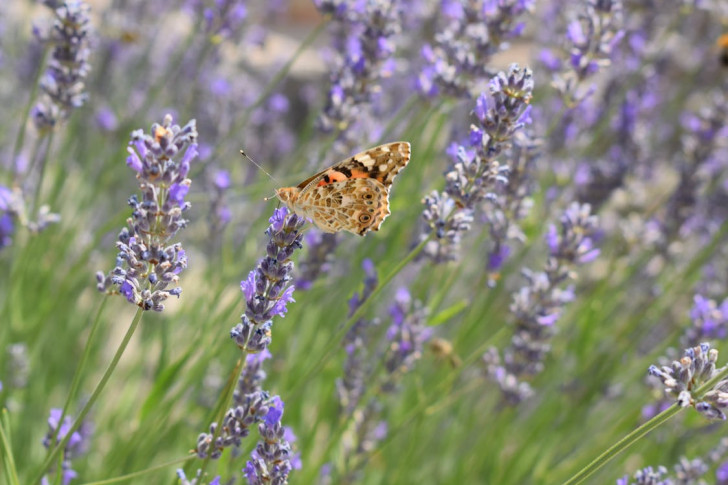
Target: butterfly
(352, 195)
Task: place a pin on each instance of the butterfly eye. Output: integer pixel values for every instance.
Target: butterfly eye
(365, 218)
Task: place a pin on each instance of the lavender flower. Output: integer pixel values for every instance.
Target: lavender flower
(510, 203)
(592, 36)
(7, 224)
(476, 172)
(267, 290)
(364, 43)
(252, 376)
(235, 425)
(77, 444)
(406, 335)
(710, 321)
(63, 85)
(694, 207)
(646, 476)
(473, 31)
(682, 378)
(537, 306)
(271, 459)
(145, 265)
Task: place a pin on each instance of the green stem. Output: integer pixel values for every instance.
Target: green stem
(141, 473)
(81, 365)
(20, 139)
(222, 409)
(623, 444)
(94, 396)
(41, 175)
(332, 345)
(10, 470)
(638, 433)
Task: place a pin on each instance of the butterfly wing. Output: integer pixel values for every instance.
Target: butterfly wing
(381, 163)
(357, 205)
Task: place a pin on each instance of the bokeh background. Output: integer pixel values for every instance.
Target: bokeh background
(560, 228)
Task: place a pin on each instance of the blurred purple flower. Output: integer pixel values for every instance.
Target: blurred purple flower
(471, 32)
(537, 306)
(64, 81)
(77, 444)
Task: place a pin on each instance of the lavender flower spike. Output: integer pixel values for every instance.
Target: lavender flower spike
(682, 378)
(267, 290)
(146, 265)
(272, 458)
(475, 172)
(63, 84)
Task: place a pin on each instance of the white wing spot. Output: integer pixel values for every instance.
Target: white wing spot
(383, 167)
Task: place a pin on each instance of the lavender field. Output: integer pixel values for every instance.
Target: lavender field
(546, 303)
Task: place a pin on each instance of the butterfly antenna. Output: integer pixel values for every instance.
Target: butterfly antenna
(262, 170)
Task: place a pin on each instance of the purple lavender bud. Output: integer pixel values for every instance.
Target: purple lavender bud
(592, 37)
(7, 225)
(681, 378)
(77, 444)
(145, 265)
(271, 460)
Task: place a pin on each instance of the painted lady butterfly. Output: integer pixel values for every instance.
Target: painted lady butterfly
(352, 195)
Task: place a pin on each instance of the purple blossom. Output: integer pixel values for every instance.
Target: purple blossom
(682, 378)
(146, 266)
(476, 175)
(7, 225)
(592, 36)
(271, 460)
(364, 38)
(709, 321)
(321, 247)
(267, 290)
(401, 349)
(64, 81)
(538, 306)
(468, 36)
(76, 445)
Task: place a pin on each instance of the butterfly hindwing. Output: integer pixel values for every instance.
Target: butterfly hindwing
(355, 205)
(352, 195)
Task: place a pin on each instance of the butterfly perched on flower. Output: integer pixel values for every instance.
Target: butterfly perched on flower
(352, 195)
